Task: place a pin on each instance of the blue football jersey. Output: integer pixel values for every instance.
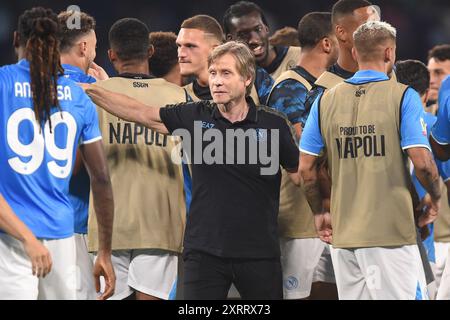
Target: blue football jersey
(80, 185)
(36, 162)
(76, 74)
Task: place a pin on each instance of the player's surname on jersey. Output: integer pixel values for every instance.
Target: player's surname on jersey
(265, 150)
(23, 90)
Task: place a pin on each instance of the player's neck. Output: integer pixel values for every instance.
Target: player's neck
(21, 54)
(136, 67)
(374, 65)
(314, 63)
(269, 59)
(174, 76)
(235, 110)
(73, 61)
(346, 61)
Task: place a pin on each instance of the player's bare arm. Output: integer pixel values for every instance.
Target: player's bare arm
(294, 175)
(428, 176)
(311, 186)
(324, 182)
(127, 108)
(95, 161)
(309, 175)
(41, 261)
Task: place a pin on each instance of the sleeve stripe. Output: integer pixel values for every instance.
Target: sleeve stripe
(438, 142)
(309, 152)
(92, 140)
(445, 180)
(417, 146)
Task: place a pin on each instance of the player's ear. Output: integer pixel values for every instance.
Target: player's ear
(229, 37)
(112, 55)
(354, 54)
(340, 32)
(425, 96)
(82, 46)
(248, 81)
(326, 45)
(388, 55)
(151, 51)
(16, 39)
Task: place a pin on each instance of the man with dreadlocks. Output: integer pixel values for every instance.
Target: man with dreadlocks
(43, 116)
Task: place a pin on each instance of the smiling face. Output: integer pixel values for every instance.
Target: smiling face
(225, 81)
(251, 30)
(193, 50)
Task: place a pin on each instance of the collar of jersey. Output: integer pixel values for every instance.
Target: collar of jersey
(24, 63)
(364, 76)
(72, 68)
(252, 114)
(305, 74)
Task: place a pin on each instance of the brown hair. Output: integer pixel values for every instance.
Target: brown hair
(286, 36)
(245, 61)
(205, 23)
(440, 52)
(38, 31)
(165, 56)
(70, 35)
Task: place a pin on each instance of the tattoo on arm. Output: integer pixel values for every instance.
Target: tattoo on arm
(429, 177)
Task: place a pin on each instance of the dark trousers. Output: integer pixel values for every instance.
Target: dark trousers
(208, 277)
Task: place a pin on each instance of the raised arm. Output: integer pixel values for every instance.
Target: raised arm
(41, 261)
(95, 162)
(126, 107)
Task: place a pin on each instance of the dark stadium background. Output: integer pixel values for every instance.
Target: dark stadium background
(420, 24)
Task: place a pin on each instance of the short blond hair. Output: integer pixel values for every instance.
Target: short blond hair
(245, 61)
(372, 36)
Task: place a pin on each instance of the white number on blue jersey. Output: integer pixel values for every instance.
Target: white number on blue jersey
(36, 148)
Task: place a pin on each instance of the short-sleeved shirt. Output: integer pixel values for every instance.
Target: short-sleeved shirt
(411, 128)
(80, 186)
(234, 204)
(289, 96)
(36, 164)
(429, 121)
(76, 74)
(441, 129)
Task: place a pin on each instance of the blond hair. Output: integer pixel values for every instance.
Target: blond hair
(371, 38)
(245, 61)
